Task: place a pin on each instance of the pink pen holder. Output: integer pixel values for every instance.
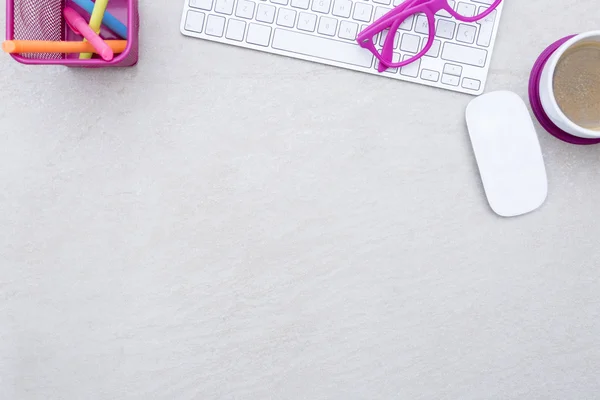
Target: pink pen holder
(44, 20)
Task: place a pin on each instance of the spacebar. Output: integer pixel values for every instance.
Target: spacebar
(321, 47)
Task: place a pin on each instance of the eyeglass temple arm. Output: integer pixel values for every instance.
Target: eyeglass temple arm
(479, 17)
(409, 7)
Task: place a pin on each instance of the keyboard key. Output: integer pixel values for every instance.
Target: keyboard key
(362, 12)
(452, 69)
(307, 22)
(258, 34)
(286, 17)
(410, 43)
(471, 84)
(407, 24)
(224, 6)
(348, 30)
(450, 79)
(215, 25)
(434, 51)
(245, 9)
(483, 8)
(300, 4)
(327, 26)
(342, 8)
(464, 55)
(235, 30)
(422, 25)
(321, 6)
(321, 47)
(411, 69)
(386, 2)
(445, 29)
(444, 13)
(265, 13)
(395, 58)
(466, 9)
(486, 29)
(466, 33)
(380, 12)
(282, 2)
(384, 36)
(201, 4)
(194, 21)
(430, 75)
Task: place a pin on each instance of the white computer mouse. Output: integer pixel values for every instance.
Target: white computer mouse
(508, 153)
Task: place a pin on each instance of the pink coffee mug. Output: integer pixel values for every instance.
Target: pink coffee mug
(541, 93)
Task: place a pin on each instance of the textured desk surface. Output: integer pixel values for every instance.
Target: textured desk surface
(218, 223)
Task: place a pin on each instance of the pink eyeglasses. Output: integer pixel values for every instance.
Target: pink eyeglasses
(466, 12)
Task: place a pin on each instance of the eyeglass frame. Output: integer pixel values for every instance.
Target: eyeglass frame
(395, 17)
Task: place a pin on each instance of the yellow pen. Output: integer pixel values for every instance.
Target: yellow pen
(95, 22)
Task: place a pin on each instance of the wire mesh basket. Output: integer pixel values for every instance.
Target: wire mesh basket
(43, 20)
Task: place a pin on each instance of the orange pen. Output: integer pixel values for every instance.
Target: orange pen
(40, 46)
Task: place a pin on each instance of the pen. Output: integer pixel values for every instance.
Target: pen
(109, 20)
(79, 26)
(95, 22)
(41, 46)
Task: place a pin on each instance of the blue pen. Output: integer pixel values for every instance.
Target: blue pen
(109, 20)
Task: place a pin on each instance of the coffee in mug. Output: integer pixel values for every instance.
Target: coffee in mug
(567, 81)
(577, 84)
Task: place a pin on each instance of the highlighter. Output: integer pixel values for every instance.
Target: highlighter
(109, 20)
(95, 22)
(40, 46)
(80, 27)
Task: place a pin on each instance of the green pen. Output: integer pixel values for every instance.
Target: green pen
(95, 22)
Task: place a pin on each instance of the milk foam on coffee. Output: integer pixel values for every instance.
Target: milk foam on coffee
(577, 84)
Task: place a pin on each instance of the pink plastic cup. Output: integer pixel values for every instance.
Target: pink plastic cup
(43, 20)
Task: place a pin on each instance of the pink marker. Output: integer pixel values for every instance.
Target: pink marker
(78, 24)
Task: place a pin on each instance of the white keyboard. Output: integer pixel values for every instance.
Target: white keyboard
(324, 31)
